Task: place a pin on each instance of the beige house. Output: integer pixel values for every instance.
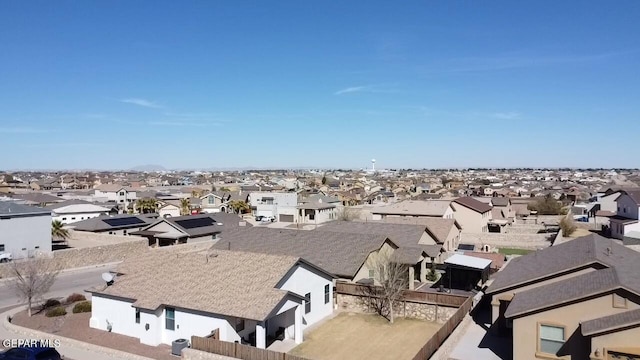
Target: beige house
(473, 216)
(577, 300)
(415, 209)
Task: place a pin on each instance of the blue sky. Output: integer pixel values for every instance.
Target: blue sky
(199, 84)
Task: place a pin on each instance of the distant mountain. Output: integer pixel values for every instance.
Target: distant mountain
(149, 167)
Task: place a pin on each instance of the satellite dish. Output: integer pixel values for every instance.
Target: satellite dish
(108, 278)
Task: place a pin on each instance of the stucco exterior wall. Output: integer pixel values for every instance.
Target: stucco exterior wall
(469, 220)
(69, 218)
(626, 338)
(305, 279)
(26, 235)
(525, 329)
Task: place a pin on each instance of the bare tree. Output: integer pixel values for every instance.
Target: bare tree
(391, 279)
(33, 278)
(348, 214)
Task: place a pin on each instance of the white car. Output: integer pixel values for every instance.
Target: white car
(5, 257)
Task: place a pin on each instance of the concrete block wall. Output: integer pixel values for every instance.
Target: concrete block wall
(521, 241)
(408, 309)
(81, 257)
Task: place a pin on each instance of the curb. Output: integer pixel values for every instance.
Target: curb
(72, 343)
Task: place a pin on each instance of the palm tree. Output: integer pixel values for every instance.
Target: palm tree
(147, 205)
(185, 206)
(239, 206)
(58, 232)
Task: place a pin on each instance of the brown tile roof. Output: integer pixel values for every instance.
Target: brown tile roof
(341, 254)
(605, 213)
(220, 282)
(473, 204)
(611, 322)
(561, 292)
(577, 253)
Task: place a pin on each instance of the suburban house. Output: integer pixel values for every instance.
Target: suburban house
(241, 297)
(345, 255)
(416, 244)
(445, 232)
(318, 209)
(473, 216)
(627, 214)
(218, 201)
(415, 208)
(123, 224)
(576, 300)
(282, 206)
(25, 231)
(123, 196)
(190, 228)
(503, 204)
(169, 208)
(71, 211)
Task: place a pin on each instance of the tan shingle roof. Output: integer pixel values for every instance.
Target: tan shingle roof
(230, 283)
(415, 207)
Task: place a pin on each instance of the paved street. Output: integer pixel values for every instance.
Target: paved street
(66, 283)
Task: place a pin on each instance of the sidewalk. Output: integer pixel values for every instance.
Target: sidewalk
(69, 348)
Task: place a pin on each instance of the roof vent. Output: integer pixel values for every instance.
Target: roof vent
(609, 251)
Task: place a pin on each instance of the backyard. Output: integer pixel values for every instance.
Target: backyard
(362, 336)
(512, 251)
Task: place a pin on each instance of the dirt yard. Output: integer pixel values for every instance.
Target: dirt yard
(361, 336)
(76, 326)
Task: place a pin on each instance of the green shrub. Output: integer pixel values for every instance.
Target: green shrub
(50, 303)
(432, 275)
(82, 307)
(56, 311)
(75, 298)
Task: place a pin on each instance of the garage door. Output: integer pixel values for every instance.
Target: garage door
(286, 218)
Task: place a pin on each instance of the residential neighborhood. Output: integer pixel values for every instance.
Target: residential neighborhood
(300, 180)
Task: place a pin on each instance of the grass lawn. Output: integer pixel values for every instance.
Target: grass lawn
(512, 251)
(361, 336)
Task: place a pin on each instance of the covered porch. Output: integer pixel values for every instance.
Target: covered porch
(285, 326)
(160, 238)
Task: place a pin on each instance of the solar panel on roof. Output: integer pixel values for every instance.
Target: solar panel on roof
(123, 221)
(196, 223)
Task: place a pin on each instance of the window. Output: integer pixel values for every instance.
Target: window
(1, 247)
(624, 210)
(211, 200)
(121, 193)
(372, 274)
(73, 218)
(37, 247)
(327, 294)
(124, 232)
(307, 303)
(170, 319)
(63, 219)
(239, 324)
(551, 338)
(619, 301)
(137, 316)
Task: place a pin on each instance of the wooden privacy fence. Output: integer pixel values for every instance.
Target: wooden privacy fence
(408, 295)
(445, 330)
(236, 350)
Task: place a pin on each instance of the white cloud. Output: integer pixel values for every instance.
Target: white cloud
(142, 102)
(367, 89)
(506, 115)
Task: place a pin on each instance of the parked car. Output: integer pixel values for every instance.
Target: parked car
(5, 257)
(259, 218)
(268, 219)
(31, 353)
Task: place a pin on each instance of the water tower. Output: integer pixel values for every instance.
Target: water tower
(373, 164)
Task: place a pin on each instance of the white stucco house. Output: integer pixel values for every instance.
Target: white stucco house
(246, 297)
(627, 216)
(25, 231)
(71, 211)
(123, 196)
(281, 205)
